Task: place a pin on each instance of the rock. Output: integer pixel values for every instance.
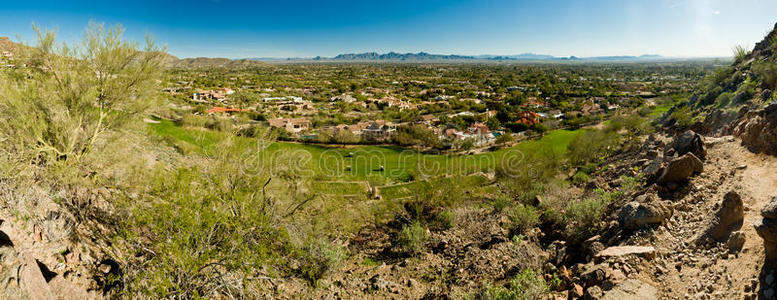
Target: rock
(33, 282)
(576, 291)
(558, 252)
(621, 251)
(104, 268)
(594, 276)
(377, 283)
(680, 169)
(593, 293)
(689, 142)
(653, 170)
(735, 241)
(766, 227)
(770, 209)
(739, 97)
(635, 215)
(67, 290)
(631, 289)
(730, 214)
(769, 293)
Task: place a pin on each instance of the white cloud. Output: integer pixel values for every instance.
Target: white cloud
(717, 12)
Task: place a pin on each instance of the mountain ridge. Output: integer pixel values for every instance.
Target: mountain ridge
(425, 56)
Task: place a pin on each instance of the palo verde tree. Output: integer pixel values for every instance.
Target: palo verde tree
(61, 99)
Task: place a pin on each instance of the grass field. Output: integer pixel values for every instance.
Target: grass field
(379, 165)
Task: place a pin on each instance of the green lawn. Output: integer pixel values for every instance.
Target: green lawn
(363, 163)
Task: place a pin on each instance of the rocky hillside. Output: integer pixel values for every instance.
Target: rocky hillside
(208, 62)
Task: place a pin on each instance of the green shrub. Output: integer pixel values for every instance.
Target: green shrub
(740, 52)
(724, 99)
(583, 216)
(412, 238)
(445, 219)
(682, 117)
(523, 218)
(69, 97)
(580, 178)
(501, 202)
(195, 121)
(526, 285)
(767, 72)
(592, 146)
(318, 258)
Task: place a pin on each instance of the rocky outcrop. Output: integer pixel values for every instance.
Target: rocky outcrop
(680, 169)
(766, 227)
(758, 130)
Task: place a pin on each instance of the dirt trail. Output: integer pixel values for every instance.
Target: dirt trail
(683, 270)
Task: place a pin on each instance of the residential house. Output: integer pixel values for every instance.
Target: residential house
(379, 130)
(480, 133)
(343, 98)
(223, 110)
(528, 118)
(293, 125)
(428, 120)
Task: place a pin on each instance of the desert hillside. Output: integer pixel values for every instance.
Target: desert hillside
(122, 176)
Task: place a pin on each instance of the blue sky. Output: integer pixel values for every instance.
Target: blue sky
(297, 28)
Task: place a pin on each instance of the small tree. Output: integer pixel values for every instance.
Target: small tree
(70, 96)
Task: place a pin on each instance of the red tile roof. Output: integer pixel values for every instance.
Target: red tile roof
(224, 110)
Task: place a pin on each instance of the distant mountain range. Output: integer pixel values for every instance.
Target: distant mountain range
(423, 56)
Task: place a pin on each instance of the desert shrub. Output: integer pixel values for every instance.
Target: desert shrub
(724, 99)
(318, 258)
(740, 52)
(500, 202)
(580, 178)
(505, 138)
(194, 121)
(221, 124)
(201, 227)
(345, 137)
(523, 218)
(526, 285)
(591, 146)
(710, 96)
(445, 220)
(412, 238)
(68, 97)
(583, 216)
(767, 72)
(682, 116)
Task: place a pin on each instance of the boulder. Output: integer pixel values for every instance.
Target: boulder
(689, 142)
(33, 282)
(594, 276)
(680, 169)
(730, 215)
(593, 293)
(766, 227)
(646, 252)
(770, 209)
(735, 241)
(635, 214)
(653, 170)
(631, 289)
(739, 98)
